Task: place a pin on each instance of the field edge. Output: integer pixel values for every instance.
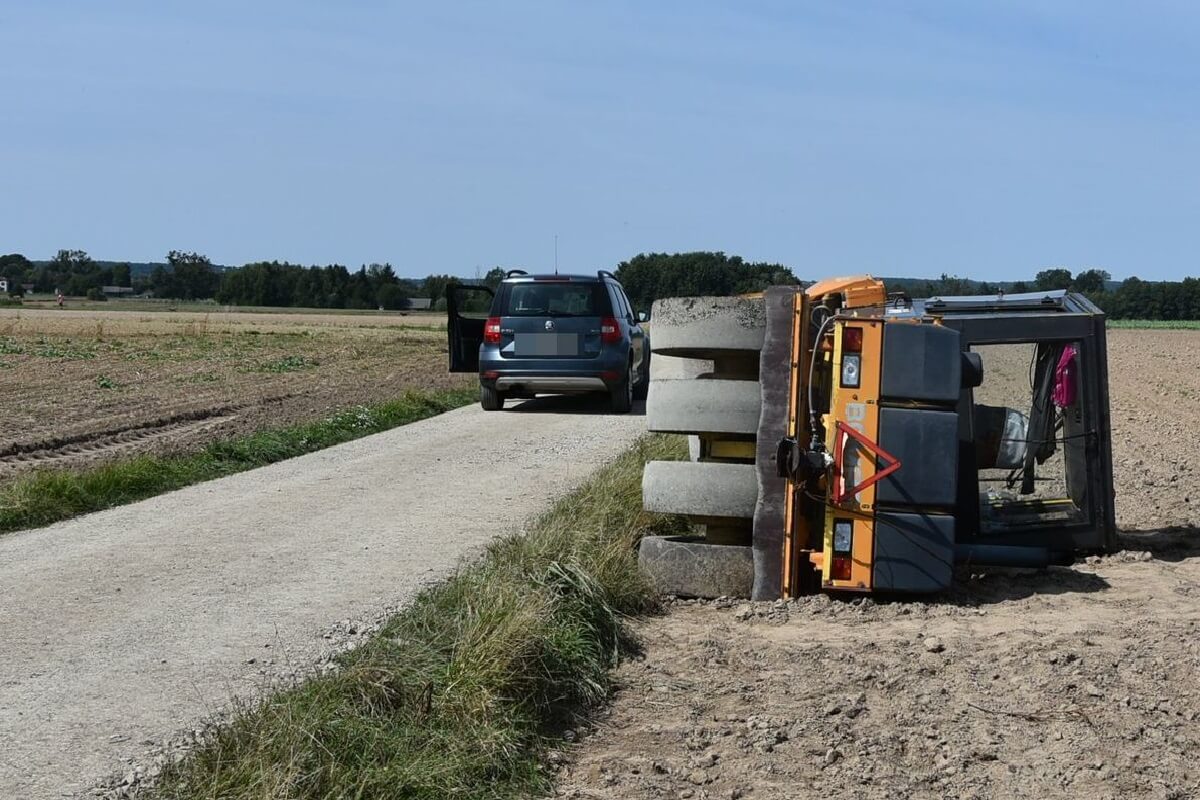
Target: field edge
(43, 498)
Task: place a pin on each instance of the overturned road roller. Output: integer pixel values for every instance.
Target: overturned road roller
(845, 440)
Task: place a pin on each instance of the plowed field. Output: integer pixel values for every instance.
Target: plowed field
(79, 387)
(1073, 682)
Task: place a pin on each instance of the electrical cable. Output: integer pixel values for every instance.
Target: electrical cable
(812, 364)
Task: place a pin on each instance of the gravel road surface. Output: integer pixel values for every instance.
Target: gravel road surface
(123, 627)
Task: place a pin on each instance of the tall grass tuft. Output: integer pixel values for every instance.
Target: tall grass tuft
(46, 497)
(458, 695)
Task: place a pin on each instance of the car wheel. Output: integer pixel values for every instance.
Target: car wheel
(490, 398)
(621, 395)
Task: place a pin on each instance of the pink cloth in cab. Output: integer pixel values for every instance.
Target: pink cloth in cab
(1065, 383)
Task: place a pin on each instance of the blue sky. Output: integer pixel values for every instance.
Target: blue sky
(984, 139)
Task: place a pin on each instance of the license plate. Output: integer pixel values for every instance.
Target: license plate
(547, 344)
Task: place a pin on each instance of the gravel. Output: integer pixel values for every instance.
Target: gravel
(125, 630)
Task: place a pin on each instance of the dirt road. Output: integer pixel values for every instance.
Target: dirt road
(123, 627)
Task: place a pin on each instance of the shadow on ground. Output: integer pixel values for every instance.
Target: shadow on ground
(1000, 585)
(1164, 544)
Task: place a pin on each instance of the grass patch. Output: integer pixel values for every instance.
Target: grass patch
(44, 347)
(459, 694)
(291, 363)
(46, 497)
(1161, 324)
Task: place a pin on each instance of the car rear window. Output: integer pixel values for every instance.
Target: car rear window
(556, 299)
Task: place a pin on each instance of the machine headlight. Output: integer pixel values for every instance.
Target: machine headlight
(851, 370)
(843, 536)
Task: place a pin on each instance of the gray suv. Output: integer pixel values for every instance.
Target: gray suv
(549, 334)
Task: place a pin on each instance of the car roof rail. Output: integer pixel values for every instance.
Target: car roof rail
(512, 272)
(603, 273)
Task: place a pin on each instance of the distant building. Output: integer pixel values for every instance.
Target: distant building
(116, 291)
(3, 285)
(418, 304)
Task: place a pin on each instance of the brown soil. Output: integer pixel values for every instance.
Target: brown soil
(1068, 682)
(81, 387)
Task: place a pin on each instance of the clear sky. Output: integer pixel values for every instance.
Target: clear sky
(984, 139)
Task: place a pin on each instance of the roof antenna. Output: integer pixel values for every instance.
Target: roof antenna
(556, 254)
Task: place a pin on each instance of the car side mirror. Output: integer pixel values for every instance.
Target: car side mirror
(643, 316)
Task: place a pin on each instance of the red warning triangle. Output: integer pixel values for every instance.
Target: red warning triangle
(842, 495)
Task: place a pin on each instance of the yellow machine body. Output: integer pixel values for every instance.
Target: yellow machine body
(858, 408)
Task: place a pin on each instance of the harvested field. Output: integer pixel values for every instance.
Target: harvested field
(80, 387)
(1068, 682)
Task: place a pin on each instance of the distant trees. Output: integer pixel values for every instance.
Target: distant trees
(1051, 279)
(121, 275)
(16, 268)
(649, 276)
(191, 277)
(1091, 281)
(274, 283)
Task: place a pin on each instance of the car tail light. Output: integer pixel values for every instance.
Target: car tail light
(491, 330)
(610, 331)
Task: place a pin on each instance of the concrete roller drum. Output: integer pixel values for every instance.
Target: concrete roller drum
(708, 327)
(706, 492)
(704, 383)
(670, 368)
(689, 567)
(707, 405)
(664, 368)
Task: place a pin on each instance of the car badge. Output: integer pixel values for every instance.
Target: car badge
(549, 324)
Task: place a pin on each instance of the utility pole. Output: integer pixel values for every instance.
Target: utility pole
(556, 254)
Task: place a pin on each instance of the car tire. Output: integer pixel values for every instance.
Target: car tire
(490, 398)
(621, 395)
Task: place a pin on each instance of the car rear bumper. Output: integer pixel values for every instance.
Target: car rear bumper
(553, 375)
(551, 383)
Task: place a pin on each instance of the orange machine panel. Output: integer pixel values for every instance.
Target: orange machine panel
(857, 290)
(857, 407)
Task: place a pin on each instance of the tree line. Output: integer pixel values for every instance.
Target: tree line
(646, 278)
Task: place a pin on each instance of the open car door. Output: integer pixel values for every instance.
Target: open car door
(467, 309)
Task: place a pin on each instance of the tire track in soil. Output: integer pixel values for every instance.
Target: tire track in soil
(83, 448)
